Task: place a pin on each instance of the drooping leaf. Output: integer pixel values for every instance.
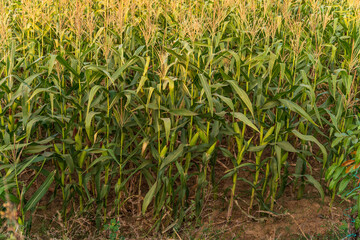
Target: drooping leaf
(172, 156)
(245, 120)
(183, 112)
(167, 125)
(314, 140)
(285, 145)
(36, 197)
(296, 108)
(207, 89)
(242, 94)
(148, 197)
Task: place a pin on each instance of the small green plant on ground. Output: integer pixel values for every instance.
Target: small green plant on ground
(114, 230)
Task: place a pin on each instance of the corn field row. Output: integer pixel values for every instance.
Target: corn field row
(144, 99)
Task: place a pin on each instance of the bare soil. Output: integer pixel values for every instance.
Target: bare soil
(307, 218)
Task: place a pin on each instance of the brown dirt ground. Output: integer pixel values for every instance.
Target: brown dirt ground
(295, 219)
(307, 218)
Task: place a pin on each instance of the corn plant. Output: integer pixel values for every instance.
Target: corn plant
(111, 103)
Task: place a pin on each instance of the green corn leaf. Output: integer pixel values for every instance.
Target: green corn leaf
(35, 149)
(167, 125)
(316, 184)
(51, 63)
(92, 94)
(100, 159)
(226, 100)
(31, 123)
(172, 156)
(148, 197)
(333, 119)
(36, 197)
(257, 148)
(343, 184)
(296, 108)
(245, 120)
(182, 112)
(13, 147)
(330, 171)
(88, 120)
(285, 145)
(194, 139)
(63, 62)
(28, 163)
(314, 140)
(143, 79)
(207, 89)
(69, 162)
(120, 70)
(242, 94)
(40, 90)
